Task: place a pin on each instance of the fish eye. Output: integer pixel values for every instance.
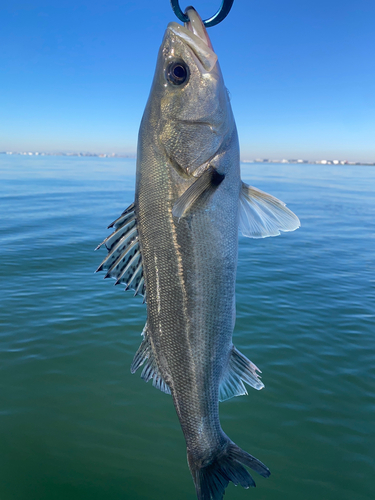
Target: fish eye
(177, 72)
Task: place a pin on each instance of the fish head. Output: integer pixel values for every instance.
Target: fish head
(192, 103)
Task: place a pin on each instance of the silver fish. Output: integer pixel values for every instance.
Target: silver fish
(177, 246)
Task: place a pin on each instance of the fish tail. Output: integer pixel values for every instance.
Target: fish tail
(211, 477)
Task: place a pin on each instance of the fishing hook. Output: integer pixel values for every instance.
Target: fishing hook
(221, 14)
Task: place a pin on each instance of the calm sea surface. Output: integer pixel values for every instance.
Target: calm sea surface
(75, 424)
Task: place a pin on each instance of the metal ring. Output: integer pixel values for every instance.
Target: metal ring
(221, 14)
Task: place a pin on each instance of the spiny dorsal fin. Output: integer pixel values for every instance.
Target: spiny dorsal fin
(263, 215)
(124, 259)
(239, 370)
(150, 370)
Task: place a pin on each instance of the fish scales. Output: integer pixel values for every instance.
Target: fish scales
(189, 204)
(190, 270)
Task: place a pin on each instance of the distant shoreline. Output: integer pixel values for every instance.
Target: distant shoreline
(132, 156)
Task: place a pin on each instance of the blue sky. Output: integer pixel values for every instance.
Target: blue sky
(75, 75)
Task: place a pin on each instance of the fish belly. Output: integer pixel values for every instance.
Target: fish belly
(189, 270)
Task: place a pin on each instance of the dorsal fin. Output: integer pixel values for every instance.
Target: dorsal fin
(124, 259)
(151, 370)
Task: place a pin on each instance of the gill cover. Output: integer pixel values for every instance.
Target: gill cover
(195, 114)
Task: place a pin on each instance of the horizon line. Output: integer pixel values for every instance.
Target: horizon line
(134, 156)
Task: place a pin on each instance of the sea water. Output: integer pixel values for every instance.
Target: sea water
(74, 423)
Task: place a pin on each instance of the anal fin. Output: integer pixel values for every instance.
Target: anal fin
(151, 370)
(239, 370)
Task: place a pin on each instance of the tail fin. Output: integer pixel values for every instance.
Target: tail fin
(212, 479)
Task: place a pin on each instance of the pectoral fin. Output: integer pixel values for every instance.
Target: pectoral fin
(208, 181)
(263, 215)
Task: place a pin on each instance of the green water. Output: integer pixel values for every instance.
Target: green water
(76, 424)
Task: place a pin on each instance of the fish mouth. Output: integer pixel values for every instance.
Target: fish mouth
(194, 35)
(196, 26)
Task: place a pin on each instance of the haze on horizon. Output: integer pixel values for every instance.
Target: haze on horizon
(76, 76)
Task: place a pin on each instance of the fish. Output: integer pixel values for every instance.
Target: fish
(177, 246)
